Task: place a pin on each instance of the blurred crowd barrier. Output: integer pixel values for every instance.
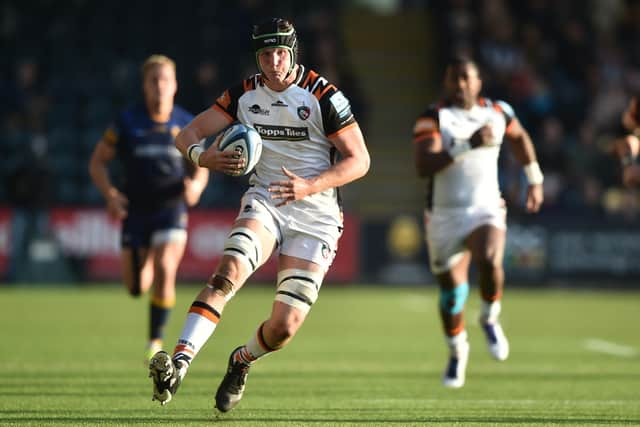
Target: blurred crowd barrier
(82, 245)
(569, 252)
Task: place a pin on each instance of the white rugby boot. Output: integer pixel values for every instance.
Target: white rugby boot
(496, 339)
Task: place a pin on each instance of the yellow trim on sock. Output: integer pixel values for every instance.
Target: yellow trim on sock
(163, 303)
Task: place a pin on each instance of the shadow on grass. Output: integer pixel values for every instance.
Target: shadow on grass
(49, 417)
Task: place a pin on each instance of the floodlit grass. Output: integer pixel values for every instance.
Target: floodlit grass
(366, 356)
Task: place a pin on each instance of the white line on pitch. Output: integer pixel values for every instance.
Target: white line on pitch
(602, 346)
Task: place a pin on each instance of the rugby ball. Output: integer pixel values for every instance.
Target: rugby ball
(246, 142)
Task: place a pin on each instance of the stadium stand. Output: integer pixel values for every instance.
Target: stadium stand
(566, 68)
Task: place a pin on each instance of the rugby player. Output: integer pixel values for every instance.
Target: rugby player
(292, 205)
(628, 146)
(457, 143)
(158, 185)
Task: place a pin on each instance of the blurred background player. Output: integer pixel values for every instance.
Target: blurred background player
(628, 146)
(158, 185)
(457, 143)
(292, 204)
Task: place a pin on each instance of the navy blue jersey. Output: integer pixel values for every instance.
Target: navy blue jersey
(153, 167)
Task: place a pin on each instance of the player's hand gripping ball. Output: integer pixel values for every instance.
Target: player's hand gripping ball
(245, 142)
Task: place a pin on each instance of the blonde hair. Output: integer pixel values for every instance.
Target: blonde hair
(154, 60)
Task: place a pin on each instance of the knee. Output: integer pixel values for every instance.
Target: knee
(231, 269)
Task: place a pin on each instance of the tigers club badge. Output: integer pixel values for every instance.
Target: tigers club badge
(304, 112)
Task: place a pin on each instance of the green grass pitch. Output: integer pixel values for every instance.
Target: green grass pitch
(366, 356)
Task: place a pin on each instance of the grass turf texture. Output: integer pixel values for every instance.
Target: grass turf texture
(365, 356)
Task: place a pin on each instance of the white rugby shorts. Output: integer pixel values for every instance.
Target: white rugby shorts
(447, 228)
(298, 233)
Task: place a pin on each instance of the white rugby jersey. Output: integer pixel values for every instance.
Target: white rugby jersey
(295, 126)
(472, 179)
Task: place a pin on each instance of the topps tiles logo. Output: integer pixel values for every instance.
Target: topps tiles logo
(282, 132)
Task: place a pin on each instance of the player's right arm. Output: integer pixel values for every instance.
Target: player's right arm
(431, 155)
(102, 155)
(206, 124)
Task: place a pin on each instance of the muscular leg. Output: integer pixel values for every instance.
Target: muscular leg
(487, 247)
(487, 250)
(451, 312)
(298, 285)
(454, 289)
(286, 319)
(137, 270)
(166, 260)
(230, 276)
(232, 271)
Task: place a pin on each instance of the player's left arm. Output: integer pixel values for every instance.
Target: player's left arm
(525, 153)
(353, 164)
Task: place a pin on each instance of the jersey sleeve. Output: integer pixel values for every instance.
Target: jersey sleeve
(427, 125)
(336, 112)
(507, 111)
(113, 133)
(227, 103)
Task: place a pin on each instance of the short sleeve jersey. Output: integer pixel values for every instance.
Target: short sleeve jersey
(295, 126)
(153, 167)
(472, 179)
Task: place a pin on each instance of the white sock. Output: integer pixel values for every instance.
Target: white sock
(489, 312)
(457, 343)
(255, 348)
(202, 320)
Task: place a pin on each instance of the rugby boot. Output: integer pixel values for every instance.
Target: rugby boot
(167, 375)
(496, 340)
(232, 386)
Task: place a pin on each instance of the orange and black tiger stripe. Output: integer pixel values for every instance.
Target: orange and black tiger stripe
(227, 103)
(317, 85)
(427, 125)
(205, 310)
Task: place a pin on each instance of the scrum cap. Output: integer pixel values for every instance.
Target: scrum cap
(275, 33)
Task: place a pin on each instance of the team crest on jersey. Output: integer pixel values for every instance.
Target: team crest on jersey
(175, 130)
(304, 112)
(256, 109)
